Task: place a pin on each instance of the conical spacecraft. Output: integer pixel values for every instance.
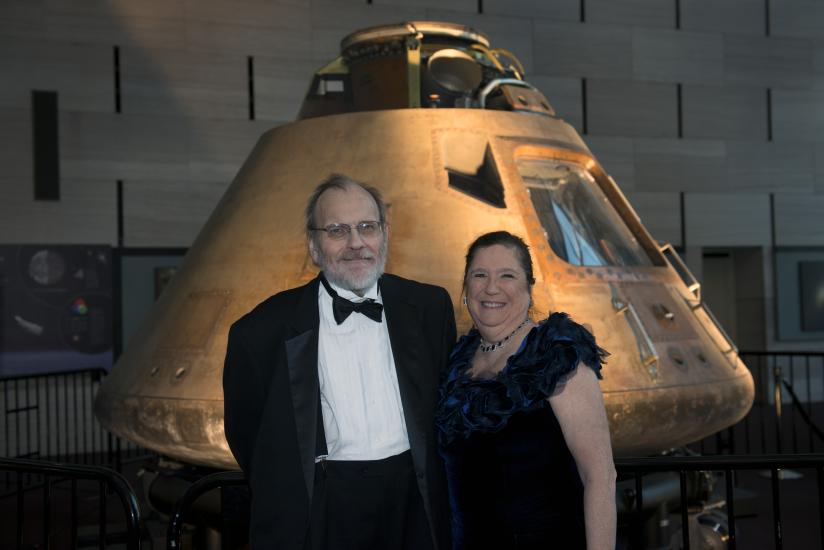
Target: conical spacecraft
(459, 143)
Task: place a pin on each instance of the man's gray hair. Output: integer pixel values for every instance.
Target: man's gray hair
(339, 181)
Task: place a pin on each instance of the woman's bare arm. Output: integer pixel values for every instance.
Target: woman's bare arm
(579, 407)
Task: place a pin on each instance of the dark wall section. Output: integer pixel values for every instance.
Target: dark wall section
(46, 147)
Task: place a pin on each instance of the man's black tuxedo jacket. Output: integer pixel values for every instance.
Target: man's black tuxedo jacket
(270, 384)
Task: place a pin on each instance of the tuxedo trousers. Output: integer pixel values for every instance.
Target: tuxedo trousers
(367, 505)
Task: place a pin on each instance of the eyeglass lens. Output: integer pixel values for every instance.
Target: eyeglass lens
(342, 230)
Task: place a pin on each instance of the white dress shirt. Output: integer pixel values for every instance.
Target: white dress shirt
(360, 398)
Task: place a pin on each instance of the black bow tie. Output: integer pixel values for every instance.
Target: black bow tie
(342, 308)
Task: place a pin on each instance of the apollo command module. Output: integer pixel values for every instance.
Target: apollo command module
(459, 143)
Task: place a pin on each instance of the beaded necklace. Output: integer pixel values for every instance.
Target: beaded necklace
(486, 347)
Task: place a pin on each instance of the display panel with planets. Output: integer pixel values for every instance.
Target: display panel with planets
(56, 307)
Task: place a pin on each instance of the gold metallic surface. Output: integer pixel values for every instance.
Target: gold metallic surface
(438, 29)
(672, 376)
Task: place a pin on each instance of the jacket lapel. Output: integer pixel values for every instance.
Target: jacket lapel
(405, 337)
(302, 360)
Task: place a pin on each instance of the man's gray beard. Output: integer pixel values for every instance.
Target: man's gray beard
(352, 283)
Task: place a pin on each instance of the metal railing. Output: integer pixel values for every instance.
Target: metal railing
(788, 409)
(182, 509)
(637, 467)
(59, 521)
(51, 416)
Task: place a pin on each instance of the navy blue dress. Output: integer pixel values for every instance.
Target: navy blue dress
(513, 483)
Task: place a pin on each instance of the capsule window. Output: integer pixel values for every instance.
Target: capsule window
(471, 169)
(580, 223)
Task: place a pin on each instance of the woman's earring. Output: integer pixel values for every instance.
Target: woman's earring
(464, 300)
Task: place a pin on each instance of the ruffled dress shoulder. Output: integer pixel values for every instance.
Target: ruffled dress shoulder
(548, 355)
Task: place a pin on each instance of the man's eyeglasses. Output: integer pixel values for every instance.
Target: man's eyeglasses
(339, 231)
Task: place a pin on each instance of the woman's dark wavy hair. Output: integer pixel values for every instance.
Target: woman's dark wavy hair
(507, 239)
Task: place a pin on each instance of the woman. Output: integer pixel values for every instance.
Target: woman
(521, 420)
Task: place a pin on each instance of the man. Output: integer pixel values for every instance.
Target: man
(330, 390)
